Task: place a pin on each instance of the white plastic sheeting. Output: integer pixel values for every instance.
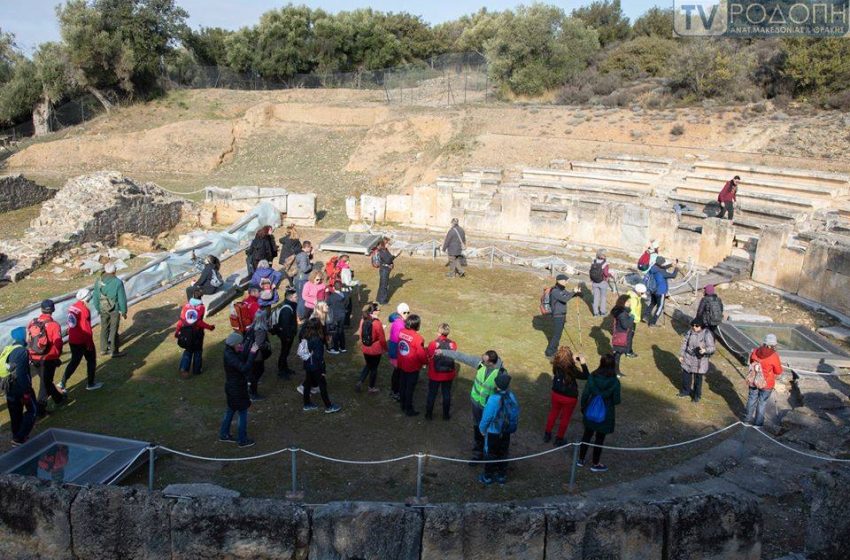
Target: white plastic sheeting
(165, 270)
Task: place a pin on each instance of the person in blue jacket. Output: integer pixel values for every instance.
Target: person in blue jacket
(659, 292)
(493, 426)
(20, 399)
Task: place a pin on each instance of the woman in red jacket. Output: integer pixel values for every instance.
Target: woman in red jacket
(81, 341)
(372, 352)
(441, 372)
(768, 361)
(411, 358)
(192, 339)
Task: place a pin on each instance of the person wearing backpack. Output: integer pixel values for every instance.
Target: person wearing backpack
(710, 310)
(349, 285)
(210, 280)
(697, 346)
(17, 384)
(636, 296)
(411, 359)
(373, 342)
(311, 350)
(338, 305)
(566, 369)
(265, 271)
(189, 332)
(765, 367)
(488, 366)
(441, 372)
(387, 262)
(397, 320)
(454, 246)
(238, 362)
(258, 334)
(656, 284)
(622, 329)
(44, 343)
(498, 421)
(559, 297)
(599, 277)
(648, 257)
(262, 248)
(81, 341)
(599, 399)
(110, 302)
(286, 329)
(303, 268)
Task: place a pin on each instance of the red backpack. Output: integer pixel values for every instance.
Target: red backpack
(643, 262)
(240, 317)
(38, 342)
(332, 271)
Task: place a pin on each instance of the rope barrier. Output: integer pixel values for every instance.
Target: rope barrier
(508, 460)
(661, 447)
(225, 459)
(789, 448)
(118, 476)
(181, 193)
(351, 462)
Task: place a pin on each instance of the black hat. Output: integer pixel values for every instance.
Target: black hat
(503, 380)
(697, 323)
(48, 306)
(561, 277)
(660, 261)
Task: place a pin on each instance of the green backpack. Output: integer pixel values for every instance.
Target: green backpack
(7, 377)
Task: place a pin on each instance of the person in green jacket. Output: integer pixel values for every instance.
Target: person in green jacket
(110, 301)
(603, 382)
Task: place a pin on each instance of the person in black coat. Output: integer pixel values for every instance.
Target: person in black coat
(387, 264)
(314, 366)
(20, 398)
(338, 302)
(237, 371)
(290, 245)
(622, 327)
(262, 248)
(286, 329)
(210, 280)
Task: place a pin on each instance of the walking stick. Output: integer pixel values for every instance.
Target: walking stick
(578, 317)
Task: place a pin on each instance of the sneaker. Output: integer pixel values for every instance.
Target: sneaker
(94, 387)
(309, 407)
(61, 387)
(247, 443)
(695, 399)
(333, 351)
(342, 350)
(395, 396)
(547, 437)
(580, 463)
(314, 391)
(682, 395)
(300, 389)
(358, 387)
(501, 479)
(598, 468)
(374, 390)
(16, 443)
(485, 480)
(333, 408)
(226, 439)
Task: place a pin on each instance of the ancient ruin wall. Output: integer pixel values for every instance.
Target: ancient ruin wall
(16, 192)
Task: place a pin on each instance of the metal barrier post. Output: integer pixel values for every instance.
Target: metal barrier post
(294, 469)
(151, 461)
(419, 465)
(574, 468)
(492, 254)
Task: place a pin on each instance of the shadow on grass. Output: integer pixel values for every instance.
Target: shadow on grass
(396, 282)
(668, 364)
(721, 385)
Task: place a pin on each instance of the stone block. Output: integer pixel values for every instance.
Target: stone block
(442, 536)
(121, 523)
(213, 528)
(838, 333)
(398, 208)
(629, 530)
(227, 216)
(716, 241)
(502, 531)
(516, 212)
(35, 518)
(350, 530)
(301, 209)
(373, 208)
(352, 211)
(828, 525)
(565, 529)
(199, 490)
(424, 205)
(714, 527)
(16, 191)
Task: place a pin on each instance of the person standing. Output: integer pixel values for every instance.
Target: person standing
(387, 263)
(559, 297)
(566, 368)
(636, 296)
(765, 367)
(189, 333)
(697, 347)
(657, 277)
(727, 198)
(81, 341)
(264, 271)
(349, 285)
(262, 248)
(602, 383)
(237, 370)
(498, 421)
(314, 367)
(488, 366)
(373, 343)
(622, 329)
(258, 335)
(20, 399)
(286, 330)
(338, 305)
(313, 292)
(441, 372)
(110, 302)
(710, 310)
(411, 358)
(44, 343)
(397, 321)
(303, 268)
(290, 246)
(454, 245)
(648, 257)
(600, 274)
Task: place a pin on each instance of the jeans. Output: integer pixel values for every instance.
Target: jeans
(655, 309)
(756, 405)
(316, 379)
(600, 297)
(370, 370)
(337, 331)
(283, 359)
(562, 406)
(727, 207)
(497, 448)
(191, 359)
(446, 388)
(456, 265)
(477, 413)
(78, 352)
(692, 384)
(21, 417)
(407, 386)
(46, 370)
(558, 322)
(224, 432)
(109, 341)
(384, 285)
(597, 451)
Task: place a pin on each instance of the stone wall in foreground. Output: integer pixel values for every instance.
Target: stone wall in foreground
(16, 192)
(47, 520)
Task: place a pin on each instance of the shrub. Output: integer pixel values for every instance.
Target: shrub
(677, 130)
(713, 69)
(644, 55)
(654, 22)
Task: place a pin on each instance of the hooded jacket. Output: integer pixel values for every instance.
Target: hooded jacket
(79, 325)
(379, 340)
(609, 388)
(411, 351)
(489, 424)
(54, 336)
(19, 363)
(635, 306)
(771, 366)
(559, 297)
(661, 276)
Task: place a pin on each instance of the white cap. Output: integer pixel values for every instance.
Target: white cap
(770, 340)
(402, 308)
(84, 294)
(654, 244)
(640, 288)
(109, 268)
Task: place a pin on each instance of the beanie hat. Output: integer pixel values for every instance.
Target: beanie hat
(263, 264)
(19, 334)
(109, 268)
(402, 308)
(233, 340)
(561, 277)
(503, 380)
(640, 288)
(770, 340)
(660, 261)
(48, 306)
(84, 294)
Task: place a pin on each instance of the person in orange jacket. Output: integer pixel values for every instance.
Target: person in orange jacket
(771, 367)
(411, 358)
(371, 353)
(81, 341)
(44, 342)
(441, 372)
(189, 333)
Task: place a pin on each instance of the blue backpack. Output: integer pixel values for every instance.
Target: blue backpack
(596, 411)
(508, 415)
(650, 282)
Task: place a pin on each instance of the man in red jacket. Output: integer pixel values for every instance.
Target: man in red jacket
(771, 367)
(411, 358)
(44, 342)
(81, 341)
(728, 197)
(441, 372)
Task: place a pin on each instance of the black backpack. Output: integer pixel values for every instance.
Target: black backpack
(443, 364)
(366, 333)
(712, 315)
(596, 272)
(187, 337)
